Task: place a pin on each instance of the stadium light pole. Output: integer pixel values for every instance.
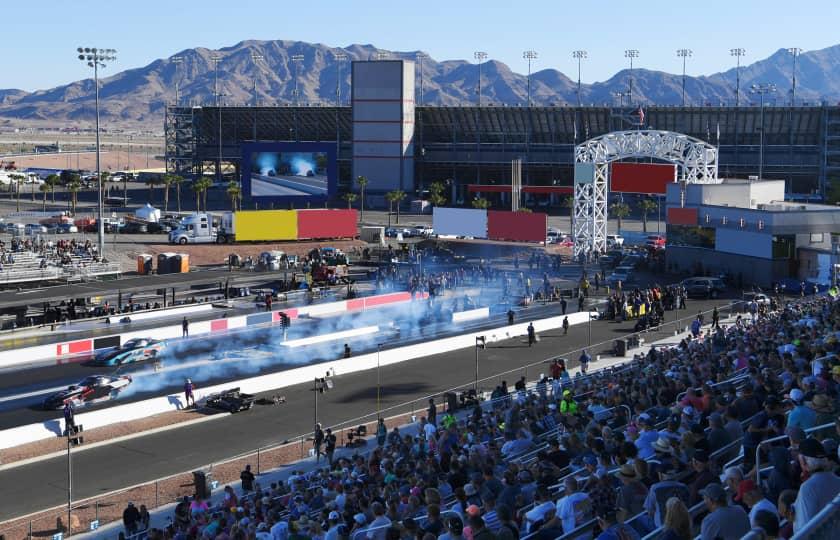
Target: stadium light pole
(296, 60)
(215, 58)
(256, 57)
(339, 58)
(683, 53)
(761, 90)
(737, 53)
(794, 51)
(631, 54)
(579, 55)
(96, 58)
(480, 56)
(177, 60)
(529, 55)
(420, 56)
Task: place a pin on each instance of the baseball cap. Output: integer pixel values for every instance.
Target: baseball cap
(688, 411)
(714, 491)
(744, 487)
(360, 518)
(473, 510)
(797, 395)
(334, 516)
(812, 448)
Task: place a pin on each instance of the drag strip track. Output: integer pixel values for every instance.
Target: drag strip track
(112, 467)
(258, 351)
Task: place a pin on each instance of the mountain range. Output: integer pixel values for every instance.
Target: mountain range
(139, 96)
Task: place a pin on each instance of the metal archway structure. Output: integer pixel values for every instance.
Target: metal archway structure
(696, 162)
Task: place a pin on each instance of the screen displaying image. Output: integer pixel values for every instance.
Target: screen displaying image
(289, 174)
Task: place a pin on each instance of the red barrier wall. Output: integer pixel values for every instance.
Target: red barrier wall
(641, 177)
(74, 347)
(218, 325)
(516, 226)
(326, 223)
(682, 216)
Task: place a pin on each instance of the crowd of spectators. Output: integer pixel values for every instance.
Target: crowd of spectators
(48, 252)
(650, 445)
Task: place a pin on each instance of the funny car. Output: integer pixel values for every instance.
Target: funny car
(92, 389)
(133, 350)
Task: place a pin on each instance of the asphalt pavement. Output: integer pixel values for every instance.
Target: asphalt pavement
(115, 466)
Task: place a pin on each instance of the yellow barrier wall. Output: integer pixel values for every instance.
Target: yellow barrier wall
(265, 225)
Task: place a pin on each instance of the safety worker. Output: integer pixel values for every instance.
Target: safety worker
(568, 405)
(565, 325)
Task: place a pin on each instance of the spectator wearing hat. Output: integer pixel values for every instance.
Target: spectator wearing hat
(823, 406)
(264, 534)
(661, 491)
(723, 521)
(632, 494)
(750, 494)
(333, 521)
(821, 486)
(800, 415)
(702, 476)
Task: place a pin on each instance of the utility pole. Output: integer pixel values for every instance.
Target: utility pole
(339, 58)
(256, 57)
(215, 58)
(296, 60)
(683, 53)
(631, 54)
(177, 60)
(480, 56)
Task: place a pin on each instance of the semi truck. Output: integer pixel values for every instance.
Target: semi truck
(265, 226)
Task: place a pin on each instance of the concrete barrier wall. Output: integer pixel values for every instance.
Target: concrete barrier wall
(471, 315)
(90, 420)
(68, 351)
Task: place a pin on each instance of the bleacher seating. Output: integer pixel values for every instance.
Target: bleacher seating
(580, 458)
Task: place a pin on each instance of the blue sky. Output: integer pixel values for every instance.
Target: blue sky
(40, 38)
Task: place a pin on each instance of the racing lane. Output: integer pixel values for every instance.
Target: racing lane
(21, 395)
(145, 458)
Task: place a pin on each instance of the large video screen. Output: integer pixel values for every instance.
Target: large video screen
(296, 172)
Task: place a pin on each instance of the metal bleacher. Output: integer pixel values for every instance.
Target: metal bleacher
(27, 268)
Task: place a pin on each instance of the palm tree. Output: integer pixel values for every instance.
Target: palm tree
(152, 181)
(350, 197)
(396, 197)
(44, 188)
(167, 181)
(200, 186)
(480, 203)
(52, 181)
(234, 192)
(646, 206)
(362, 182)
(74, 186)
(32, 189)
(436, 196)
(569, 202)
(620, 210)
(178, 180)
(17, 179)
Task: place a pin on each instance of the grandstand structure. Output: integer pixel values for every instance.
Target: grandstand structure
(475, 145)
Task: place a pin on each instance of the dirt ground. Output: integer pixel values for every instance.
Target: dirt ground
(110, 160)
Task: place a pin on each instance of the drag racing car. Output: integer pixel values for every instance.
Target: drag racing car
(231, 401)
(133, 350)
(92, 389)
